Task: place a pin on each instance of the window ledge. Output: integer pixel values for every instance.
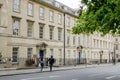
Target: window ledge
(1, 4)
(3, 26)
(15, 63)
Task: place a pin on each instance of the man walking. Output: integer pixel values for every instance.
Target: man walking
(51, 62)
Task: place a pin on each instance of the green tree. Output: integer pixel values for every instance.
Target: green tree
(100, 15)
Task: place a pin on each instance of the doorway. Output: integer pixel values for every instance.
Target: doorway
(41, 54)
(79, 57)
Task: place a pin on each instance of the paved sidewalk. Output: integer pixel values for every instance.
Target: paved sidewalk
(12, 71)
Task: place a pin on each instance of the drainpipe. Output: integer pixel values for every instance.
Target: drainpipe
(64, 38)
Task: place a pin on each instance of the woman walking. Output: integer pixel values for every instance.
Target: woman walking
(41, 64)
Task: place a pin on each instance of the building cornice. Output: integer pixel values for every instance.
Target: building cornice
(32, 45)
(23, 37)
(53, 7)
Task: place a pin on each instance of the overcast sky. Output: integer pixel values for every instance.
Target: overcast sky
(71, 3)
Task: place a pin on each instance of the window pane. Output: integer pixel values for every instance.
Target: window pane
(68, 21)
(29, 29)
(30, 9)
(29, 52)
(59, 19)
(15, 55)
(79, 40)
(57, 4)
(68, 53)
(16, 6)
(51, 16)
(41, 31)
(15, 27)
(41, 13)
(74, 40)
(60, 56)
(59, 34)
(51, 34)
(68, 40)
(51, 52)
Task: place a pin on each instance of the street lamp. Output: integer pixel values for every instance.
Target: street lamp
(79, 49)
(114, 60)
(101, 53)
(110, 54)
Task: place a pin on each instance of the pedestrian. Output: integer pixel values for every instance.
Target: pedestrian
(51, 61)
(41, 64)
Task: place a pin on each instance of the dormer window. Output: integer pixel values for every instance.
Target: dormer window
(65, 8)
(57, 4)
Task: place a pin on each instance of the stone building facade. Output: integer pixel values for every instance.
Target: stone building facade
(38, 28)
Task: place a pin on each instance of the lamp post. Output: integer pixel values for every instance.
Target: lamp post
(112, 56)
(64, 38)
(101, 53)
(109, 55)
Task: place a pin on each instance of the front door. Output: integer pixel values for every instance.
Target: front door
(79, 55)
(41, 53)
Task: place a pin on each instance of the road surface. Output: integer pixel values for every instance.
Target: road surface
(111, 72)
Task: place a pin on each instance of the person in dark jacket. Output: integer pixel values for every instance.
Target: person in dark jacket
(51, 62)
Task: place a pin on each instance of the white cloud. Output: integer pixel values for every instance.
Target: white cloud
(71, 3)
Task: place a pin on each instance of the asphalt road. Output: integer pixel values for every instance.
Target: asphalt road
(99, 73)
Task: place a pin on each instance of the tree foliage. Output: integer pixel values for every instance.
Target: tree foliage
(100, 15)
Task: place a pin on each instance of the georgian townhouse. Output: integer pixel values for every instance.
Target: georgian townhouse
(41, 28)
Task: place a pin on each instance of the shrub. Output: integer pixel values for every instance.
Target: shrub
(30, 61)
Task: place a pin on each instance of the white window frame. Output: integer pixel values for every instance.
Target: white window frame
(73, 22)
(16, 26)
(29, 52)
(60, 53)
(51, 52)
(68, 40)
(30, 29)
(30, 9)
(59, 19)
(60, 56)
(78, 40)
(68, 21)
(68, 54)
(42, 12)
(16, 5)
(51, 32)
(57, 4)
(51, 16)
(15, 54)
(59, 34)
(41, 31)
(117, 47)
(74, 42)
(74, 54)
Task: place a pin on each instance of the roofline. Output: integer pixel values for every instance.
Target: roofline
(53, 7)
